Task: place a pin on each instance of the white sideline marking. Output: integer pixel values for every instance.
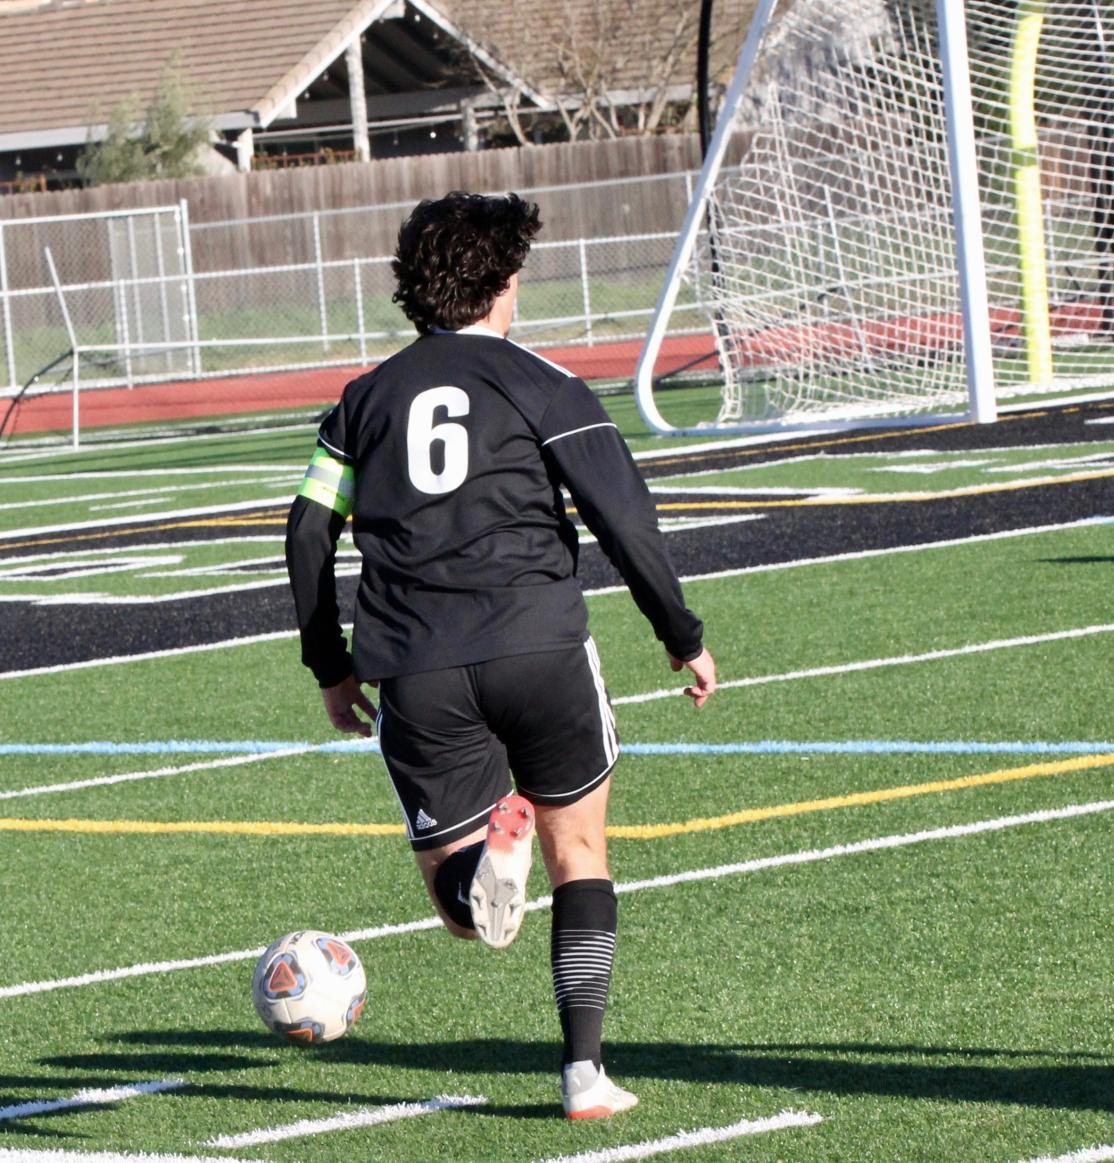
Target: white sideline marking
(158, 773)
(347, 1122)
(49, 1155)
(878, 844)
(91, 1097)
(876, 663)
(1087, 1154)
(686, 1139)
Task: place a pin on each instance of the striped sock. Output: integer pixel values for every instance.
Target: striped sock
(582, 949)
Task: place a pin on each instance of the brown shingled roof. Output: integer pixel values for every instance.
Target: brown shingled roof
(69, 64)
(66, 64)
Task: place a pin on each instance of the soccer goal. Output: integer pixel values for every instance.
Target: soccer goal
(906, 211)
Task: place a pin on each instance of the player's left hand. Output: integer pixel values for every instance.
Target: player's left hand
(341, 703)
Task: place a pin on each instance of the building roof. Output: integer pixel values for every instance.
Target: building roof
(65, 65)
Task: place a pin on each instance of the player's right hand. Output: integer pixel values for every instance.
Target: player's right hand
(703, 668)
(341, 702)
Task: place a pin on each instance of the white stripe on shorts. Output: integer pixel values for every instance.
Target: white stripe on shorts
(607, 716)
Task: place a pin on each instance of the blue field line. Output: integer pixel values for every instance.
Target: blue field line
(758, 747)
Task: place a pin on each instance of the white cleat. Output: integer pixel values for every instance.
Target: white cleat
(498, 893)
(587, 1093)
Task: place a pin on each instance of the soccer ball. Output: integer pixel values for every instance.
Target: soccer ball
(309, 987)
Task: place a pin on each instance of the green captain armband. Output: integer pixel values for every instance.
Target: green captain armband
(329, 483)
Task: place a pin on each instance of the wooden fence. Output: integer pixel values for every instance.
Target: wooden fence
(401, 180)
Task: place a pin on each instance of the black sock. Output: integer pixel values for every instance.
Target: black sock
(582, 948)
(452, 882)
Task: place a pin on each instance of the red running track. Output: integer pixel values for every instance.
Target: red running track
(102, 407)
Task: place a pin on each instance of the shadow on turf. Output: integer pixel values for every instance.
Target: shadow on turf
(1037, 1078)
(1093, 559)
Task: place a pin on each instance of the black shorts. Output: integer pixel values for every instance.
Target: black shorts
(453, 739)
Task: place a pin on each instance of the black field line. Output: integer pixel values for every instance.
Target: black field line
(40, 637)
(36, 638)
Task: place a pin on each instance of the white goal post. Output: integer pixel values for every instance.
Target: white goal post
(906, 212)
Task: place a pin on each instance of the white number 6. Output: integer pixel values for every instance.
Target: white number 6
(422, 433)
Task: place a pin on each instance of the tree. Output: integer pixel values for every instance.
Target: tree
(601, 68)
(163, 142)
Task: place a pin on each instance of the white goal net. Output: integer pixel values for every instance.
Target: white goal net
(821, 254)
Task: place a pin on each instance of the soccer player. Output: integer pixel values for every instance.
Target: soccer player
(451, 457)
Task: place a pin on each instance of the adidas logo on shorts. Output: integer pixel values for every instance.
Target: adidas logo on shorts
(423, 822)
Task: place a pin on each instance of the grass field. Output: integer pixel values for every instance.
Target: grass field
(865, 907)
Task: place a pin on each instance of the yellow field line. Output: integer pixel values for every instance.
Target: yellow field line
(618, 831)
(858, 799)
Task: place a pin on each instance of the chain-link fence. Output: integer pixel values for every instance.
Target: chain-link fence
(125, 285)
(153, 298)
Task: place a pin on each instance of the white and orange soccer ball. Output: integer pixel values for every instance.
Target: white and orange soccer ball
(309, 986)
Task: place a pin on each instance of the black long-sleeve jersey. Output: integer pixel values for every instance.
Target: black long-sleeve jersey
(450, 457)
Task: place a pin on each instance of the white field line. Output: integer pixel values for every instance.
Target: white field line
(815, 494)
(346, 1122)
(109, 554)
(95, 599)
(602, 591)
(863, 454)
(150, 968)
(623, 700)
(878, 844)
(169, 515)
(683, 1140)
(56, 448)
(121, 563)
(151, 655)
(143, 473)
(286, 488)
(864, 554)
(157, 773)
(152, 495)
(652, 454)
(877, 663)
(671, 525)
(350, 569)
(51, 1155)
(1086, 1155)
(92, 1097)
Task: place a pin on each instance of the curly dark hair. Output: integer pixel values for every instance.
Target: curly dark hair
(457, 254)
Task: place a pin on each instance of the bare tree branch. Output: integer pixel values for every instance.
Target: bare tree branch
(602, 68)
